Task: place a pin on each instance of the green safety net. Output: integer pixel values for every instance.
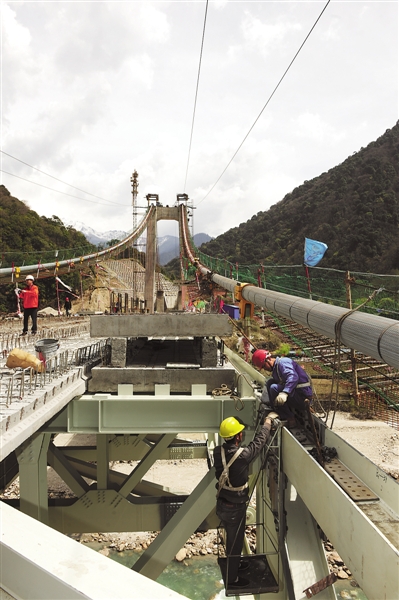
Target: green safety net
(321, 284)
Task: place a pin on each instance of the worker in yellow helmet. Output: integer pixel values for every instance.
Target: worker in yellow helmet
(232, 471)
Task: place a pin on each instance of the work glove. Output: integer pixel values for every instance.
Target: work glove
(258, 394)
(272, 416)
(281, 399)
(17, 291)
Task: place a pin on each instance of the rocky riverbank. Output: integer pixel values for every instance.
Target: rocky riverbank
(198, 544)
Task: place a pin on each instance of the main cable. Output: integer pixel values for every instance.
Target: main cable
(56, 178)
(268, 100)
(58, 191)
(196, 95)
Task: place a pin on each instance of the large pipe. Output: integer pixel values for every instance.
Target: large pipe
(372, 335)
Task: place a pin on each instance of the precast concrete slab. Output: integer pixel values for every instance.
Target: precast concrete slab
(161, 325)
(22, 419)
(144, 379)
(39, 562)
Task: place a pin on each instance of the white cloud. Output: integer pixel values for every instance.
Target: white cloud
(94, 90)
(153, 23)
(333, 31)
(219, 4)
(138, 72)
(266, 37)
(16, 54)
(312, 126)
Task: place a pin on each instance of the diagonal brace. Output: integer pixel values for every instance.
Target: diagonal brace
(66, 471)
(177, 531)
(145, 464)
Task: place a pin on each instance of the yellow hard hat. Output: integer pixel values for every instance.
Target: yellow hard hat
(230, 427)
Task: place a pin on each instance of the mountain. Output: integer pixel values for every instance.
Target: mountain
(353, 208)
(23, 231)
(26, 239)
(95, 237)
(168, 245)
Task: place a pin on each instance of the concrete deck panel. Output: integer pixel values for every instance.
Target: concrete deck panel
(39, 562)
(161, 325)
(107, 379)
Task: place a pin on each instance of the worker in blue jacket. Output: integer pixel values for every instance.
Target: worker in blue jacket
(288, 387)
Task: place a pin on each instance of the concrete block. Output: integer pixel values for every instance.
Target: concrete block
(208, 352)
(106, 379)
(160, 302)
(118, 352)
(160, 325)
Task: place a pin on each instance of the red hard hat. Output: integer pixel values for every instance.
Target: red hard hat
(259, 357)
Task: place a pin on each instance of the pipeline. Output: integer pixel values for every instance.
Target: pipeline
(371, 335)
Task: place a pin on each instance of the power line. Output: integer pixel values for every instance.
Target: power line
(58, 191)
(196, 95)
(56, 178)
(268, 100)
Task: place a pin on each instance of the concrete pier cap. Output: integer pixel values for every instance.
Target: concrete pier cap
(160, 325)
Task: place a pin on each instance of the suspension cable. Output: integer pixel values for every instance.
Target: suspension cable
(267, 102)
(59, 191)
(52, 177)
(196, 95)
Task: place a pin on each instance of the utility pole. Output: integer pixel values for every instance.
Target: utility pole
(135, 186)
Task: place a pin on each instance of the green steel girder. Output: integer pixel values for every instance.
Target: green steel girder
(366, 550)
(144, 465)
(104, 413)
(66, 471)
(116, 479)
(32, 459)
(108, 511)
(176, 532)
(128, 451)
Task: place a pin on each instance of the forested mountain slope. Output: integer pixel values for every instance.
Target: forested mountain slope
(26, 238)
(21, 228)
(353, 208)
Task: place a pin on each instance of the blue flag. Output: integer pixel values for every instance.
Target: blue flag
(314, 252)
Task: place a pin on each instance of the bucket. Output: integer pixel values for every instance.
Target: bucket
(46, 349)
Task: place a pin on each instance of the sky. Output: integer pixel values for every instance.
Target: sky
(91, 91)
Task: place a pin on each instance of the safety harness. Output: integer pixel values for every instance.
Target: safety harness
(224, 481)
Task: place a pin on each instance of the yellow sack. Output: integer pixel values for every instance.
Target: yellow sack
(23, 359)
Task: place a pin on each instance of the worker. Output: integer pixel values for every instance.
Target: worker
(30, 300)
(67, 305)
(232, 469)
(288, 387)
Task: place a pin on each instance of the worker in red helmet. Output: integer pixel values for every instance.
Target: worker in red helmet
(232, 471)
(30, 300)
(288, 387)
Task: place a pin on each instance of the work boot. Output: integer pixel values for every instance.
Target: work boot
(23, 333)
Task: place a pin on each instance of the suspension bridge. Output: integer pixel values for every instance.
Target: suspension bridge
(149, 375)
